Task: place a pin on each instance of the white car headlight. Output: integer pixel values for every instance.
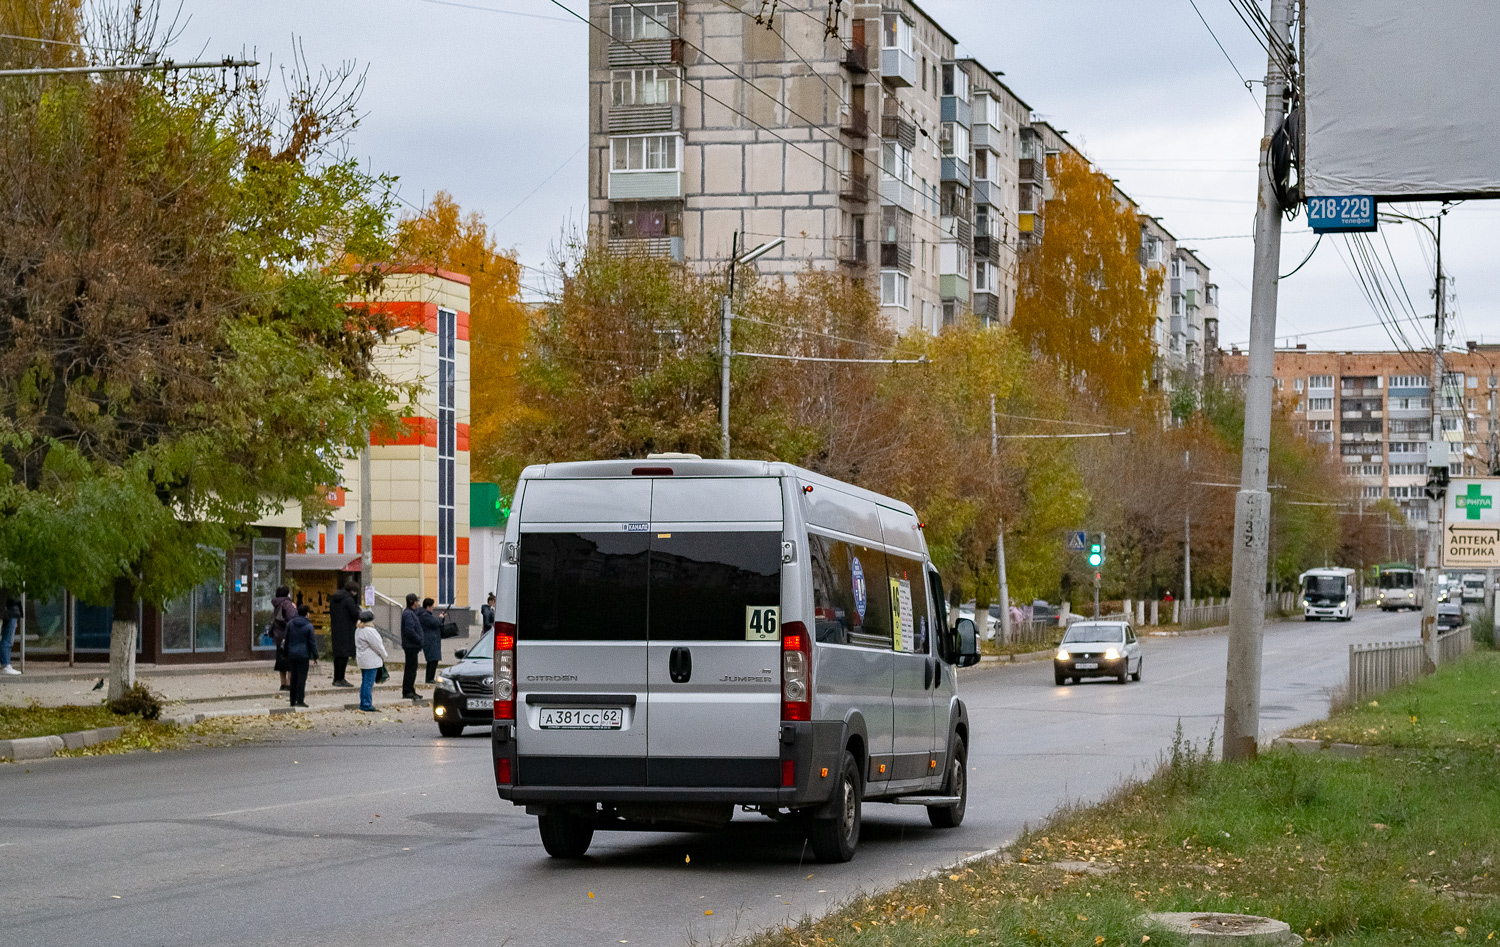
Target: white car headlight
(444, 682)
(1113, 654)
(1062, 654)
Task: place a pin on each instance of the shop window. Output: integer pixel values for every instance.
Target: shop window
(265, 577)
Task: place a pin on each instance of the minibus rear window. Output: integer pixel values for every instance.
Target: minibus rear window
(582, 587)
(715, 586)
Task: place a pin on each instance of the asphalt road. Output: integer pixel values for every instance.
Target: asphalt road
(395, 836)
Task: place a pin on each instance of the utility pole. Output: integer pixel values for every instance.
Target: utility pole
(366, 528)
(1252, 503)
(725, 319)
(1437, 465)
(1187, 540)
(994, 435)
(1004, 586)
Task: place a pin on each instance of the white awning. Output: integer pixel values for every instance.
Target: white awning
(324, 562)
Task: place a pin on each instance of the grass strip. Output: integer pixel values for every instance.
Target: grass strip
(1457, 707)
(1373, 851)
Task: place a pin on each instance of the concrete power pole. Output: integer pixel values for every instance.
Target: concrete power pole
(1437, 467)
(366, 527)
(1252, 505)
(1004, 586)
(1187, 541)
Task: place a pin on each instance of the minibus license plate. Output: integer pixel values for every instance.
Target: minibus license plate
(574, 718)
(1086, 666)
(481, 703)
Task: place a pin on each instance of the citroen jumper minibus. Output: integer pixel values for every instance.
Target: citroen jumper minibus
(676, 637)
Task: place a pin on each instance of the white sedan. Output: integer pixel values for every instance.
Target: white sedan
(1097, 649)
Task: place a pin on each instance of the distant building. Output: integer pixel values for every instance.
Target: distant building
(1374, 409)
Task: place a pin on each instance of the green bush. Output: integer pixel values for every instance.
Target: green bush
(138, 700)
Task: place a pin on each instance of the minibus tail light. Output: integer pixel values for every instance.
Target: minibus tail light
(796, 672)
(505, 670)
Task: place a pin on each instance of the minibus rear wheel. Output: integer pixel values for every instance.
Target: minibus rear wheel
(565, 834)
(952, 816)
(834, 838)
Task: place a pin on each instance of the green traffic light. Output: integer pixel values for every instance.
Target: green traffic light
(1095, 559)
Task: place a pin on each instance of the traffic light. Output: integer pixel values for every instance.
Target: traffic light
(1096, 550)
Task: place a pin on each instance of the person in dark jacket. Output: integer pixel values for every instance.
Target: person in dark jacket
(432, 639)
(301, 650)
(411, 643)
(343, 616)
(487, 614)
(283, 610)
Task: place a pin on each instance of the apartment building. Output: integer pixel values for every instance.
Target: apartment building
(1374, 408)
(852, 131)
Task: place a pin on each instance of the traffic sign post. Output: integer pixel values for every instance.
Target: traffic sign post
(1471, 524)
(1075, 540)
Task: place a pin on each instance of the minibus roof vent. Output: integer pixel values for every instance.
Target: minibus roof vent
(674, 455)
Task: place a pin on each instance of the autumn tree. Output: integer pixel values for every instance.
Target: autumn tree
(442, 235)
(1083, 300)
(175, 357)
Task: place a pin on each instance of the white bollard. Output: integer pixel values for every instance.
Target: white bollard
(1155, 611)
(1176, 611)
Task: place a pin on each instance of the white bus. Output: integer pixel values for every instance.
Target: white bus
(1398, 588)
(1327, 593)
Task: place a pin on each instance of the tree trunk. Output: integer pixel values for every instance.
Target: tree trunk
(121, 657)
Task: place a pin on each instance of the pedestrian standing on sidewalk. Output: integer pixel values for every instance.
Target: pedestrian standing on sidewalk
(343, 615)
(369, 655)
(283, 610)
(14, 614)
(301, 650)
(487, 614)
(411, 644)
(432, 639)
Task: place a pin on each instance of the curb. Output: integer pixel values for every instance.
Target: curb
(1194, 633)
(1353, 751)
(40, 748)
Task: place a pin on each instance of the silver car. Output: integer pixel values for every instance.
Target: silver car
(1097, 649)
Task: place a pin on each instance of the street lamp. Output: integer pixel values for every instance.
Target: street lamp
(724, 332)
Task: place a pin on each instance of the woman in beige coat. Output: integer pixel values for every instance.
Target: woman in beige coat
(369, 655)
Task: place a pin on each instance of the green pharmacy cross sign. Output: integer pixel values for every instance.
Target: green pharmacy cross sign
(1472, 502)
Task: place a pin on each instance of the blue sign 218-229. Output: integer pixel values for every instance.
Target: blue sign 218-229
(1341, 214)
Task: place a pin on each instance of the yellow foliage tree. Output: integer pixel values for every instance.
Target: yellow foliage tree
(1083, 299)
(444, 236)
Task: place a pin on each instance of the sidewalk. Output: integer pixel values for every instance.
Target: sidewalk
(251, 687)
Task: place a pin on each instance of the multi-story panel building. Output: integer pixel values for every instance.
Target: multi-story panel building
(1375, 410)
(854, 133)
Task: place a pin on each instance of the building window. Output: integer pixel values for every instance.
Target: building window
(447, 435)
(1320, 381)
(1370, 493)
(644, 153)
(1408, 381)
(1401, 493)
(1320, 425)
(895, 289)
(644, 220)
(1297, 384)
(986, 277)
(645, 87)
(981, 164)
(637, 21)
(955, 82)
(897, 34)
(895, 164)
(195, 622)
(265, 556)
(954, 139)
(1320, 404)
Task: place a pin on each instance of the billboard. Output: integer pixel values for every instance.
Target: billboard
(1399, 99)
(1471, 524)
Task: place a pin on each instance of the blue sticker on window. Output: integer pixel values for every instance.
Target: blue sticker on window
(859, 586)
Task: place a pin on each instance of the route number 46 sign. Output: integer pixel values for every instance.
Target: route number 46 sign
(1471, 524)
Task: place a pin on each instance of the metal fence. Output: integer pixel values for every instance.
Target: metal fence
(1197, 615)
(1376, 668)
(1038, 631)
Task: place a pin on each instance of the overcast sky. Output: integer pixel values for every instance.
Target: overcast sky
(487, 99)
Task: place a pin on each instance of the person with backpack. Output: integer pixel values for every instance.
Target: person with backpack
(283, 610)
(301, 650)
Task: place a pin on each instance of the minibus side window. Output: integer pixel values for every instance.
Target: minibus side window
(851, 593)
(582, 587)
(909, 572)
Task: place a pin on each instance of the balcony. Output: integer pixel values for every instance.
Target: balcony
(956, 169)
(987, 247)
(855, 187)
(670, 247)
(986, 192)
(897, 193)
(959, 228)
(896, 255)
(957, 110)
(857, 58)
(897, 68)
(646, 52)
(853, 252)
(900, 130)
(635, 119)
(645, 185)
(987, 136)
(953, 286)
(986, 306)
(855, 122)
(1033, 171)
